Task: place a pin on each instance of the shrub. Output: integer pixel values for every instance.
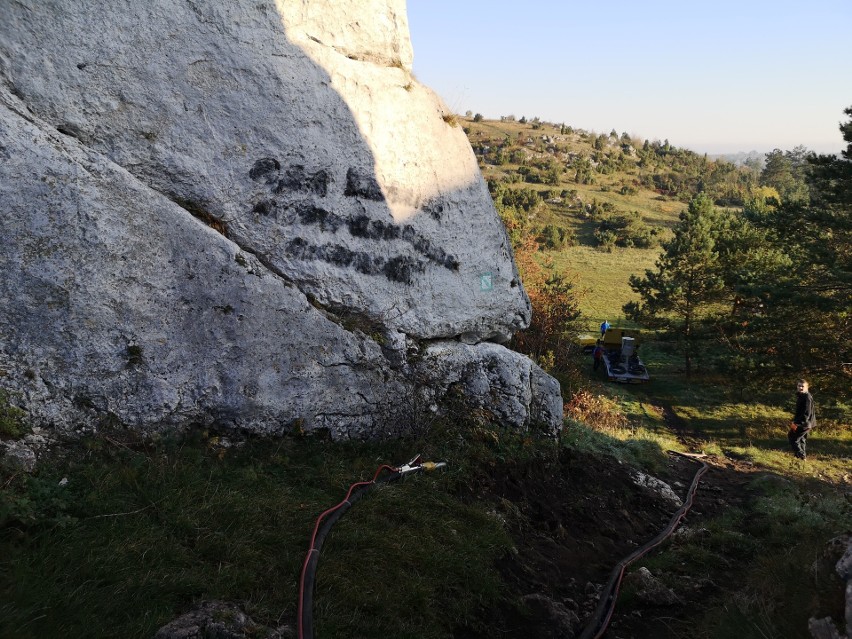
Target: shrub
(555, 237)
(12, 422)
(596, 411)
(625, 231)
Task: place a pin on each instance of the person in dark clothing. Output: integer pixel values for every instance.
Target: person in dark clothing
(804, 419)
(597, 355)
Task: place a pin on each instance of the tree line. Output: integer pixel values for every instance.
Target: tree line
(762, 292)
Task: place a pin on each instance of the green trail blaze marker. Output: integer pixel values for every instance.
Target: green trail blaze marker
(486, 282)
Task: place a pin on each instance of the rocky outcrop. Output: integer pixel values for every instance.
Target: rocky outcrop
(244, 213)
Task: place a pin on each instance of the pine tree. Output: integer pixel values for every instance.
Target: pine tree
(806, 325)
(678, 296)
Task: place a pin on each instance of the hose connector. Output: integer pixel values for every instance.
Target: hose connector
(415, 464)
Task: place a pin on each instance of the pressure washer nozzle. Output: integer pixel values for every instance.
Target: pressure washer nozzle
(429, 466)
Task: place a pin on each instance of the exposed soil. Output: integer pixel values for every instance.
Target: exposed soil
(573, 519)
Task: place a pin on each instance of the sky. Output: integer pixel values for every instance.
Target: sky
(714, 77)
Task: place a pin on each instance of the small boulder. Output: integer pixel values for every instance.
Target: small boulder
(651, 590)
(556, 619)
(15, 456)
(657, 486)
(219, 620)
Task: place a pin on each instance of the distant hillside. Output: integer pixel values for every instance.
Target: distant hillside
(600, 203)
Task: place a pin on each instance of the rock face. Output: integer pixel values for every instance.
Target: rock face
(246, 213)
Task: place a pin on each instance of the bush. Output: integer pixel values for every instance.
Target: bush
(524, 198)
(555, 237)
(625, 231)
(606, 240)
(12, 422)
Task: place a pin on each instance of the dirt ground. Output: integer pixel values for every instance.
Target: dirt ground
(574, 520)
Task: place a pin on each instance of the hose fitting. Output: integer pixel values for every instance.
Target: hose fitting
(415, 464)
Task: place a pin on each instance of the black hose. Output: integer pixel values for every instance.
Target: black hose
(606, 606)
(310, 568)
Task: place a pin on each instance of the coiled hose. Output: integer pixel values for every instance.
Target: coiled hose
(305, 620)
(606, 606)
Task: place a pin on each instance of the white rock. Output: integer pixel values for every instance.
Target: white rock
(341, 190)
(300, 124)
(658, 486)
(15, 456)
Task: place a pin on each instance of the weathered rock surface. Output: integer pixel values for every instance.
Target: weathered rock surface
(219, 620)
(649, 589)
(244, 213)
(555, 618)
(657, 486)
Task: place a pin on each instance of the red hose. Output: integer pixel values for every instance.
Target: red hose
(312, 549)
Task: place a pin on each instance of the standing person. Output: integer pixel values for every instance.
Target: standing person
(804, 419)
(597, 355)
(604, 328)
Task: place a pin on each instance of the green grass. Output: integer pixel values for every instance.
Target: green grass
(768, 548)
(732, 417)
(780, 535)
(603, 279)
(142, 530)
(138, 534)
(635, 446)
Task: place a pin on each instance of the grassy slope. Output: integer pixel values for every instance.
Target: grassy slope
(141, 531)
(602, 275)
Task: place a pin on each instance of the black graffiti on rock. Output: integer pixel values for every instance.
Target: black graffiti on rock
(362, 185)
(397, 269)
(266, 170)
(363, 226)
(434, 208)
(303, 212)
(297, 180)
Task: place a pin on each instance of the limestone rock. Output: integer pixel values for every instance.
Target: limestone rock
(489, 377)
(823, 628)
(657, 486)
(555, 619)
(299, 127)
(844, 564)
(245, 214)
(16, 456)
(651, 590)
(219, 620)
